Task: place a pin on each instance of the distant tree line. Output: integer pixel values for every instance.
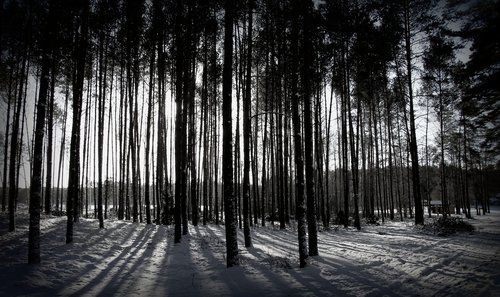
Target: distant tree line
(249, 112)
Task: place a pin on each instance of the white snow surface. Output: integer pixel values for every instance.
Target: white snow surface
(131, 259)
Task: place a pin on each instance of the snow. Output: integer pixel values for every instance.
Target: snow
(127, 259)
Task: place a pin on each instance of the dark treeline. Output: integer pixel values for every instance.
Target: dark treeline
(249, 113)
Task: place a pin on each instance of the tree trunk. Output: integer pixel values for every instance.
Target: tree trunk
(14, 144)
(247, 130)
(74, 164)
(50, 130)
(149, 124)
(100, 129)
(308, 129)
(419, 213)
(36, 177)
(227, 142)
(299, 161)
(6, 146)
(178, 119)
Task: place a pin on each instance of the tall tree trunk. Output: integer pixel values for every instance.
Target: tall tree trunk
(100, 129)
(255, 169)
(444, 199)
(187, 97)
(179, 119)
(74, 163)
(427, 157)
(247, 130)
(61, 153)
(419, 213)
(466, 173)
(50, 131)
(308, 129)
(344, 98)
(36, 177)
(134, 9)
(264, 171)
(389, 146)
(227, 142)
(148, 133)
(327, 158)
(192, 149)
(14, 143)
(6, 147)
(299, 161)
(319, 159)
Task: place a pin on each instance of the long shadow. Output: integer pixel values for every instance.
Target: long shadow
(72, 261)
(313, 283)
(341, 268)
(239, 281)
(123, 256)
(373, 281)
(331, 273)
(21, 233)
(162, 263)
(119, 284)
(294, 281)
(200, 267)
(179, 268)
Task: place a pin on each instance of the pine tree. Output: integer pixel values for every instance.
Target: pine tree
(247, 130)
(47, 43)
(299, 161)
(227, 142)
(74, 159)
(307, 75)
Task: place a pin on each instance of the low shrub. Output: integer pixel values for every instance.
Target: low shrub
(449, 225)
(58, 213)
(372, 220)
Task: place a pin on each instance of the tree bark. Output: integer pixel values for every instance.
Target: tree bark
(299, 161)
(247, 130)
(308, 129)
(419, 213)
(227, 143)
(36, 177)
(74, 164)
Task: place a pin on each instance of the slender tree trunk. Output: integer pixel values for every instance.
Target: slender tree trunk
(74, 164)
(299, 161)
(264, 178)
(50, 130)
(61, 153)
(14, 144)
(36, 177)
(389, 146)
(353, 142)
(192, 150)
(227, 143)
(179, 122)
(444, 199)
(148, 135)
(247, 130)
(319, 159)
(308, 130)
(100, 122)
(255, 169)
(327, 158)
(419, 213)
(6, 147)
(187, 95)
(466, 173)
(344, 98)
(427, 169)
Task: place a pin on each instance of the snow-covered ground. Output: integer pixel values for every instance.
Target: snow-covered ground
(126, 259)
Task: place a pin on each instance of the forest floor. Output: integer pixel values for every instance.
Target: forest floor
(127, 259)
